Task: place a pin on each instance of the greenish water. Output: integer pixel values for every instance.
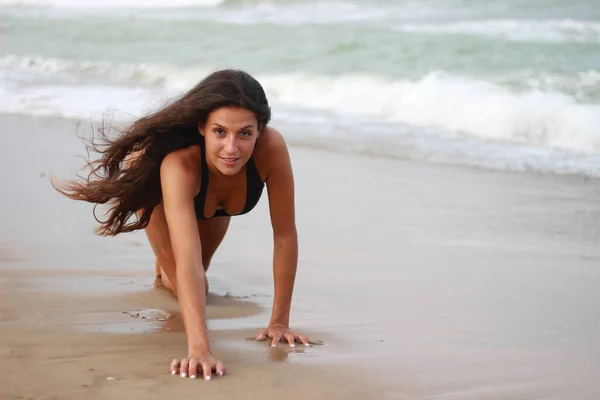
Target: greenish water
(502, 84)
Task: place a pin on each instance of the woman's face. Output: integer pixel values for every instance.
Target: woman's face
(230, 135)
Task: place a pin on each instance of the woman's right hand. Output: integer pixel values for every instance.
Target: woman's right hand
(197, 364)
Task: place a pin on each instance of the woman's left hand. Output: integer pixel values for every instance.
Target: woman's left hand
(280, 333)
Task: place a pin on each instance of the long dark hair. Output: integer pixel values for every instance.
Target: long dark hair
(131, 187)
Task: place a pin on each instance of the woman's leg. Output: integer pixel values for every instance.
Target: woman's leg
(211, 233)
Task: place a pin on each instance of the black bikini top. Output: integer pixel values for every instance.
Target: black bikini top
(254, 188)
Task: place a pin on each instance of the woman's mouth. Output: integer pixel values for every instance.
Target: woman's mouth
(230, 160)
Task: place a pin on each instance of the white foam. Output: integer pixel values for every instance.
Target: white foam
(582, 84)
(550, 30)
(242, 13)
(127, 74)
(449, 104)
(452, 105)
(107, 4)
(90, 101)
(302, 13)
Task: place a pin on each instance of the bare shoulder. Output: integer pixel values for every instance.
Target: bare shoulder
(271, 140)
(271, 152)
(182, 167)
(188, 158)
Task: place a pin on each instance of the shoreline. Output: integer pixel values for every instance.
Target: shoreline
(324, 144)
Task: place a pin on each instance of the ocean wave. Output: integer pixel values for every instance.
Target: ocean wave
(300, 13)
(457, 105)
(112, 4)
(411, 17)
(583, 85)
(128, 74)
(241, 12)
(551, 30)
(453, 105)
(76, 101)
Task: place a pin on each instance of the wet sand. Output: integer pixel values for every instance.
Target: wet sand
(424, 281)
(115, 345)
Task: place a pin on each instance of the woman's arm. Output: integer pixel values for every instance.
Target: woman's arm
(178, 183)
(280, 186)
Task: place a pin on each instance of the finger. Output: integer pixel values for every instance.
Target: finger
(262, 335)
(289, 336)
(276, 339)
(174, 367)
(303, 339)
(207, 370)
(220, 368)
(185, 363)
(193, 368)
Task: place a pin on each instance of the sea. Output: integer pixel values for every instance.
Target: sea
(502, 84)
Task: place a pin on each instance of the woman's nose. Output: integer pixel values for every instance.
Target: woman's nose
(232, 146)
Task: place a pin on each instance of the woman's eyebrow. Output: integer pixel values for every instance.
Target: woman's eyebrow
(245, 127)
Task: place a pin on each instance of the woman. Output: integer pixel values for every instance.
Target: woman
(184, 171)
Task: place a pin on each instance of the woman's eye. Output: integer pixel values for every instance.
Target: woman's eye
(219, 131)
(246, 133)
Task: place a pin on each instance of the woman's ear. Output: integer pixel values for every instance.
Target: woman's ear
(200, 126)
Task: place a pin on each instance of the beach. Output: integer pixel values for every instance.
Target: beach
(446, 159)
(423, 280)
